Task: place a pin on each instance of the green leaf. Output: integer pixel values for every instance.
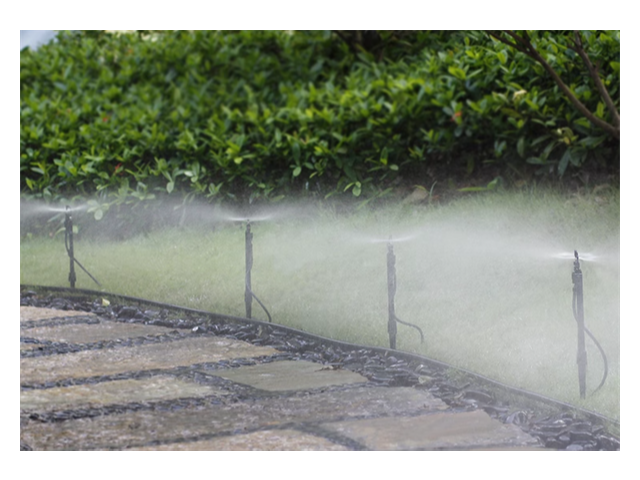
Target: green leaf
(493, 184)
(564, 161)
(458, 72)
(540, 140)
(549, 148)
(297, 171)
(592, 142)
(233, 148)
(521, 146)
(384, 156)
(295, 149)
(536, 161)
(512, 113)
(615, 66)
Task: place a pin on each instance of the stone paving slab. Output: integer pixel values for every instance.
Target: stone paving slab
(142, 427)
(269, 440)
(115, 360)
(434, 431)
(36, 313)
(298, 405)
(88, 333)
(290, 375)
(113, 392)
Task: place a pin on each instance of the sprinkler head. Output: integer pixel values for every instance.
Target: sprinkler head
(390, 240)
(66, 209)
(576, 263)
(249, 219)
(583, 257)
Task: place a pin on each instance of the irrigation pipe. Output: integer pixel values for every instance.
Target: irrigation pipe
(411, 325)
(604, 356)
(72, 256)
(259, 302)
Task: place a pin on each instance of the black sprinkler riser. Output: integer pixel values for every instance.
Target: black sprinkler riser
(578, 314)
(248, 292)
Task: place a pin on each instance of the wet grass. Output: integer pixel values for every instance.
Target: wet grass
(478, 276)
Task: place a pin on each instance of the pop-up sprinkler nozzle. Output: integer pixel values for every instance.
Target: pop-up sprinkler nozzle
(392, 326)
(68, 243)
(578, 313)
(248, 293)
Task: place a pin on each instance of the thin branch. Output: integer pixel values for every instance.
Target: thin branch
(593, 71)
(496, 34)
(524, 45)
(611, 129)
(526, 41)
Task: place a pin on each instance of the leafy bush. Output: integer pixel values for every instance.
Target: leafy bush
(242, 115)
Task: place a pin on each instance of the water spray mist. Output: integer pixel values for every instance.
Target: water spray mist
(68, 243)
(392, 326)
(578, 313)
(248, 293)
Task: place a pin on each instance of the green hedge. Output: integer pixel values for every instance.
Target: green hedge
(220, 115)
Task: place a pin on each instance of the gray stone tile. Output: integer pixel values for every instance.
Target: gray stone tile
(111, 361)
(141, 427)
(36, 313)
(290, 375)
(443, 430)
(88, 333)
(268, 440)
(113, 392)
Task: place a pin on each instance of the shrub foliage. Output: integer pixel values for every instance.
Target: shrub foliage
(220, 115)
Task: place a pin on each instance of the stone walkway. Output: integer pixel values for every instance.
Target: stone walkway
(89, 383)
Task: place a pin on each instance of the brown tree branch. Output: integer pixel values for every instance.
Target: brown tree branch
(523, 44)
(498, 36)
(526, 41)
(593, 71)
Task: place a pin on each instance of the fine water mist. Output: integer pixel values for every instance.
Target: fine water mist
(33, 208)
(490, 285)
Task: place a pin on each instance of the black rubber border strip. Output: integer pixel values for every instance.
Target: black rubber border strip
(410, 357)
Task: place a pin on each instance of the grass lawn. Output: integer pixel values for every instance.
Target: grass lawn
(486, 277)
